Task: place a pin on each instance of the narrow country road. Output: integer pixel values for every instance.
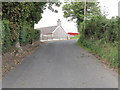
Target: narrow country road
(61, 64)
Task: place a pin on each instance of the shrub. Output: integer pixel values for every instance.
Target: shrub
(99, 27)
(6, 36)
(28, 35)
(101, 36)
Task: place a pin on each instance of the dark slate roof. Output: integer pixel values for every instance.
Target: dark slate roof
(47, 30)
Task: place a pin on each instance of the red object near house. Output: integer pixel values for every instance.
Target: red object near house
(70, 34)
(67, 37)
(73, 33)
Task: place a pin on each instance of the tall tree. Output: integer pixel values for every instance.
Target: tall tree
(75, 10)
(18, 12)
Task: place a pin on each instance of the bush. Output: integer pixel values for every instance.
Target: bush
(6, 36)
(100, 35)
(28, 35)
(99, 27)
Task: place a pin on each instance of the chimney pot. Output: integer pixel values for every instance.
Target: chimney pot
(59, 22)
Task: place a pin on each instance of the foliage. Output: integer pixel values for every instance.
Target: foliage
(28, 35)
(28, 11)
(18, 12)
(75, 10)
(18, 22)
(6, 36)
(99, 27)
(98, 34)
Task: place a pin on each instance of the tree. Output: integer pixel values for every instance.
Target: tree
(18, 12)
(75, 10)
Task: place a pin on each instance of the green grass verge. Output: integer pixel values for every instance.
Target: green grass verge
(106, 51)
(76, 37)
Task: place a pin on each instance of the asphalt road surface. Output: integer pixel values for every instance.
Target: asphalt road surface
(61, 64)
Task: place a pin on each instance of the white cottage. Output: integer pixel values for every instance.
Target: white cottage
(53, 32)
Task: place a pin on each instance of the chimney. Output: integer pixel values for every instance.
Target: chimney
(58, 22)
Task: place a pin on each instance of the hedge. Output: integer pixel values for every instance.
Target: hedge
(27, 35)
(6, 36)
(101, 36)
(99, 27)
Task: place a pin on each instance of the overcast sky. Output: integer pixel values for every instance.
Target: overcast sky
(50, 18)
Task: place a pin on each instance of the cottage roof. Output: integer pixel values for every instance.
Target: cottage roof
(47, 30)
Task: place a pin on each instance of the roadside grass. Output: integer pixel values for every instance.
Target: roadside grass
(106, 51)
(76, 37)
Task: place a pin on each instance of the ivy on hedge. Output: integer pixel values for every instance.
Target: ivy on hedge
(27, 35)
(6, 36)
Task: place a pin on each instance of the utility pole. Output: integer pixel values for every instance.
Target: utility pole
(84, 16)
(84, 8)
